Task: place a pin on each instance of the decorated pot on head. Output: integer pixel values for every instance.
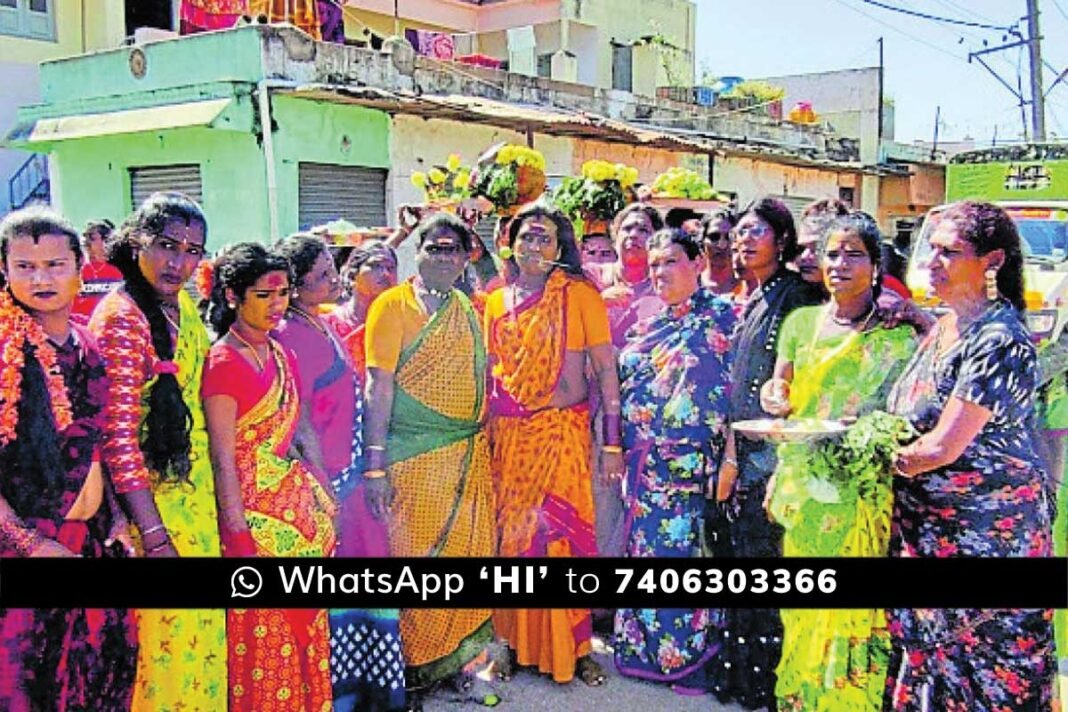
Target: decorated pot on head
(593, 199)
(508, 176)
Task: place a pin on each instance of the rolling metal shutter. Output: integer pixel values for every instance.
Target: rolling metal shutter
(328, 192)
(151, 179)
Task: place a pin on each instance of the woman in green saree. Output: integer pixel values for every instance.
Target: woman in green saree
(834, 361)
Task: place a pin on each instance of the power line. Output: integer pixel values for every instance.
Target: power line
(1060, 9)
(898, 30)
(967, 11)
(937, 18)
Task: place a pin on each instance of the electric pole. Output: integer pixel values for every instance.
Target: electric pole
(1034, 46)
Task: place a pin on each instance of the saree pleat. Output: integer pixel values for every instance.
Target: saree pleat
(440, 470)
(542, 474)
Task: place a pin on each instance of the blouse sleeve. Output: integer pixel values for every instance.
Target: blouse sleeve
(223, 372)
(587, 318)
(788, 337)
(383, 338)
(997, 371)
(125, 346)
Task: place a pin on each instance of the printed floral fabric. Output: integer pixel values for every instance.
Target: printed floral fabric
(675, 372)
(992, 501)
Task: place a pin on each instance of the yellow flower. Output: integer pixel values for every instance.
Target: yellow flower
(436, 175)
(419, 179)
(630, 177)
(453, 162)
(461, 180)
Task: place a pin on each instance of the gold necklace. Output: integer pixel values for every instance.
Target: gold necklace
(250, 347)
(863, 321)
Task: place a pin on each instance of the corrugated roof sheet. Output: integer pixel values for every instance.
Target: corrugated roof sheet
(559, 122)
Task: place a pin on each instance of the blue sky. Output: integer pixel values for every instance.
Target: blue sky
(926, 62)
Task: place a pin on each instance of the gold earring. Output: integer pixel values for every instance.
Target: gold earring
(991, 284)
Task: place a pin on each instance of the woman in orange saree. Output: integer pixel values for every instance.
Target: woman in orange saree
(270, 503)
(540, 330)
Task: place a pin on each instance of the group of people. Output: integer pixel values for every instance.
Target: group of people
(580, 407)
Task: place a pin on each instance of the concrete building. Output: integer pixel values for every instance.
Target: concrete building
(907, 181)
(609, 44)
(35, 31)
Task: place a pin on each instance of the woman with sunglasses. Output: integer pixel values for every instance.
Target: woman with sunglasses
(719, 276)
(427, 458)
(766, 240)
(155, 347)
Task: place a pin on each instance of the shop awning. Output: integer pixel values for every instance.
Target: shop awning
(171, 116)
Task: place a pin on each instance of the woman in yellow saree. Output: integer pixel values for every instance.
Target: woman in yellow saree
(271, 504)
(835, 361)
(154, 346)
(540, 331)
(426, 455)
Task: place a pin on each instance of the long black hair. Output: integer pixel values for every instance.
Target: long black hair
(565, 233)
(166, 443)
(988, 227)
(35, 451)
(237, 268)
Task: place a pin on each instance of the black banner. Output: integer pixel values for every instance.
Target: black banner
(534, 583)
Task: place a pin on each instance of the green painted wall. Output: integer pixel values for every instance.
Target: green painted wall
(316, 132)
(92, 177)
(234, 55)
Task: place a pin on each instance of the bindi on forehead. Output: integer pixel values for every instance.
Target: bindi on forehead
(274, 280)
(186, 234)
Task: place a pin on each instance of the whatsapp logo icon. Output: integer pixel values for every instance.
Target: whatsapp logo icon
(245, 582)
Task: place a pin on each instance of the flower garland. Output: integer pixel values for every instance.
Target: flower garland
(17, 329)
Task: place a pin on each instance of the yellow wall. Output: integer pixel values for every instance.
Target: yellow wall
(382, 25)
(104, 27)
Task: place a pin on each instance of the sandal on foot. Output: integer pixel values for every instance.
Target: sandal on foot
(590, 672)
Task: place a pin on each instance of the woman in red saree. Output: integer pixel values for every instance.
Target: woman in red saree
(540, 330)
(271, 503)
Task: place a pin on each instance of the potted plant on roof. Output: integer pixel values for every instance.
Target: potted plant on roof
(593, 199)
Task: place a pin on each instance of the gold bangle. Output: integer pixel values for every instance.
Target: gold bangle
(374, 474)
(613, 449)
